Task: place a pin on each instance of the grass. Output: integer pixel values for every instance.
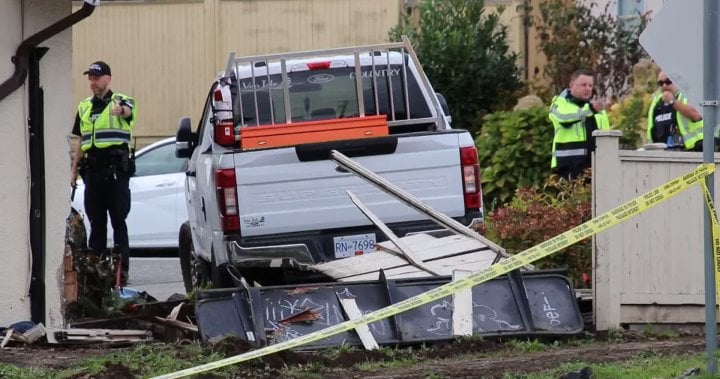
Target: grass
(148, 360)
(142, 360)
(9, 371)
(527, 346)
(654, 367)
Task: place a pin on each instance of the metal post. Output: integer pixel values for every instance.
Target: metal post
(710, 96)
(36, 149)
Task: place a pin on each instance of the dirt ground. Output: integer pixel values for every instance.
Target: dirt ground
(541, 361)
(449, 360)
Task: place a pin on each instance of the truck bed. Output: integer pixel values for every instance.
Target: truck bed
(294, 189)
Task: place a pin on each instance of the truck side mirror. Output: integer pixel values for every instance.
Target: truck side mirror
(184, 143)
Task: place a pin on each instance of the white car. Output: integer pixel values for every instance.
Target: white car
(158, 198)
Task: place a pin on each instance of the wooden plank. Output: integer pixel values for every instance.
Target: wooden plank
(405, 251)
(462, 316)
(76, 335)
(431, 250)
(454, 242)
(371, 262)
(177, 324)
(471, 262)
(353, 312)
(388, 259)
(422, 244)
(657, 314)
(6, 338)
(662, 298)
(413, 241)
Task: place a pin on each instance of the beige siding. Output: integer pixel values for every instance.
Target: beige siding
(512, 18)
(166, 53)
(284, 25)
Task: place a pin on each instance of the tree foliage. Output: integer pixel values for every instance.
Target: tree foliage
(464, 52)
(581, 35)
(629, 114)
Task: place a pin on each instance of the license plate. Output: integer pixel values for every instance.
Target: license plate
(348, 246)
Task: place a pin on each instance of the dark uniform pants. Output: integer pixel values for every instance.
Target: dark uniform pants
(572, 171)
(107, 191)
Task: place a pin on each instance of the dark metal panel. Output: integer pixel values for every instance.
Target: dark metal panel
(220, 317)
(552, 310)
(281, 304)
(528, 304)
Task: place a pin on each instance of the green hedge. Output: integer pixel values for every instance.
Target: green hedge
(514, 149)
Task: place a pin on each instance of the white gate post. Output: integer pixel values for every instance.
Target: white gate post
(607, 254)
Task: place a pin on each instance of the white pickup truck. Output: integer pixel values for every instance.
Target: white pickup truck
(267, 207)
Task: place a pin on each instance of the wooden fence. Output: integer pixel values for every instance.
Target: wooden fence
(649, 269)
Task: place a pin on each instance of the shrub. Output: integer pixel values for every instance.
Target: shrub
(539, 213)
(630, 116)
(514, 149)
(465, 54)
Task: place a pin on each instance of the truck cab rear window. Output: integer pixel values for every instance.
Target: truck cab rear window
(327, 94)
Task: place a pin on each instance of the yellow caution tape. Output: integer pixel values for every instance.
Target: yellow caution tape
(715, 237)
(561, 241)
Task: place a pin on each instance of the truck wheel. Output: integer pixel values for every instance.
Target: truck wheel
(195, 270)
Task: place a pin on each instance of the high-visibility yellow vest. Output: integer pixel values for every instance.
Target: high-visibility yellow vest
(691, 131)
(105, 130)
(570, 142)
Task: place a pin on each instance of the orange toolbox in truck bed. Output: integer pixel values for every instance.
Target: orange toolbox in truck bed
(262, 137)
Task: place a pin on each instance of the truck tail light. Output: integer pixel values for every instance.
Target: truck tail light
(227, 199)
(470, 170)
(318, 65)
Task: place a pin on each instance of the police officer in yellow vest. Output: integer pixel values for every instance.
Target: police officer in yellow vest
(104, 122)
(575, 116)
(671, 120)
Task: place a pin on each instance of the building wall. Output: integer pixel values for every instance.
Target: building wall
(536, 60)
(512, 17)
(166, 53)
(56, 82)
(21, 19)
(15, 254)
(653, 6)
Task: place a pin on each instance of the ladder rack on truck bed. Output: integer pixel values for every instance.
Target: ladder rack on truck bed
(385, 79)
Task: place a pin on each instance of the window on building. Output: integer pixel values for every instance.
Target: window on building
(630, 11)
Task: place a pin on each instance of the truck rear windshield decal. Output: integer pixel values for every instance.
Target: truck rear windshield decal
(378, 73)
(320, 78)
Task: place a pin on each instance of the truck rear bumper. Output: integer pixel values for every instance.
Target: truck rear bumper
(301, 250)
(295, 256)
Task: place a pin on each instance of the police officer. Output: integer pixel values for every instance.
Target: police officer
(105, 123)
(671, 120)
(575, 116)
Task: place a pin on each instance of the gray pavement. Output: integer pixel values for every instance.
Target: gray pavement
(159, 277)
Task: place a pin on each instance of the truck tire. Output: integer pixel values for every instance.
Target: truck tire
(195, 270)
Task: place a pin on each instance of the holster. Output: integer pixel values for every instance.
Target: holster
(116, 161)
